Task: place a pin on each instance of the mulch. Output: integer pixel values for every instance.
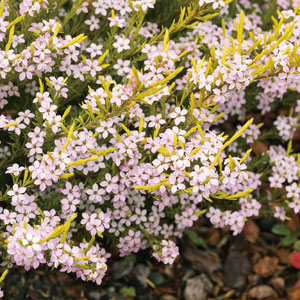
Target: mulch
(217, 265)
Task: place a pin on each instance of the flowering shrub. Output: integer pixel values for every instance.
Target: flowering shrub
(112, 125)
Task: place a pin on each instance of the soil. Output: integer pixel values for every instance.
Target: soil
(215, 265)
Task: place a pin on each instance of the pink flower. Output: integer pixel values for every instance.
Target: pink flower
(95, 223)
(178, 115)
(17, 193)
(15, 169)
(121, 43)
(276, 181)
(93, 22)
(166, 252)
(105, 128)
(95, 194)
(110, 184)
(293, 191)
(92, 66)
(122, 67)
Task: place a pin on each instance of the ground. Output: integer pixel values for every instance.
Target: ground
(213, 265)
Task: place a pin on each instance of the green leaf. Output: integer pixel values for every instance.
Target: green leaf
(128, 291)
(297, 246)
(195, 238)
(289, 240)
(280, 229)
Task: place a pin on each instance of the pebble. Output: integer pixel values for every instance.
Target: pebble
(236, 269)
(197, 288)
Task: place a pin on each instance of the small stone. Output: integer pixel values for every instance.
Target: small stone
(142, 272)
(278, 283)
(202, 261)
(251, 231)
(266, 266)
(95, 295)
(121, 268)
(197, 288)
(262, 292)
(284, 256)
(236, 269)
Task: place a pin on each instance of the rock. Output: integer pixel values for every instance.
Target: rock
(262, 292)
(236, 269)
(142, 272)
(278, 284)
(197, 288)
(121, 268)
(95, 295)
(284, 256)
(203, 261)
(266, 266)
(251, 231)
